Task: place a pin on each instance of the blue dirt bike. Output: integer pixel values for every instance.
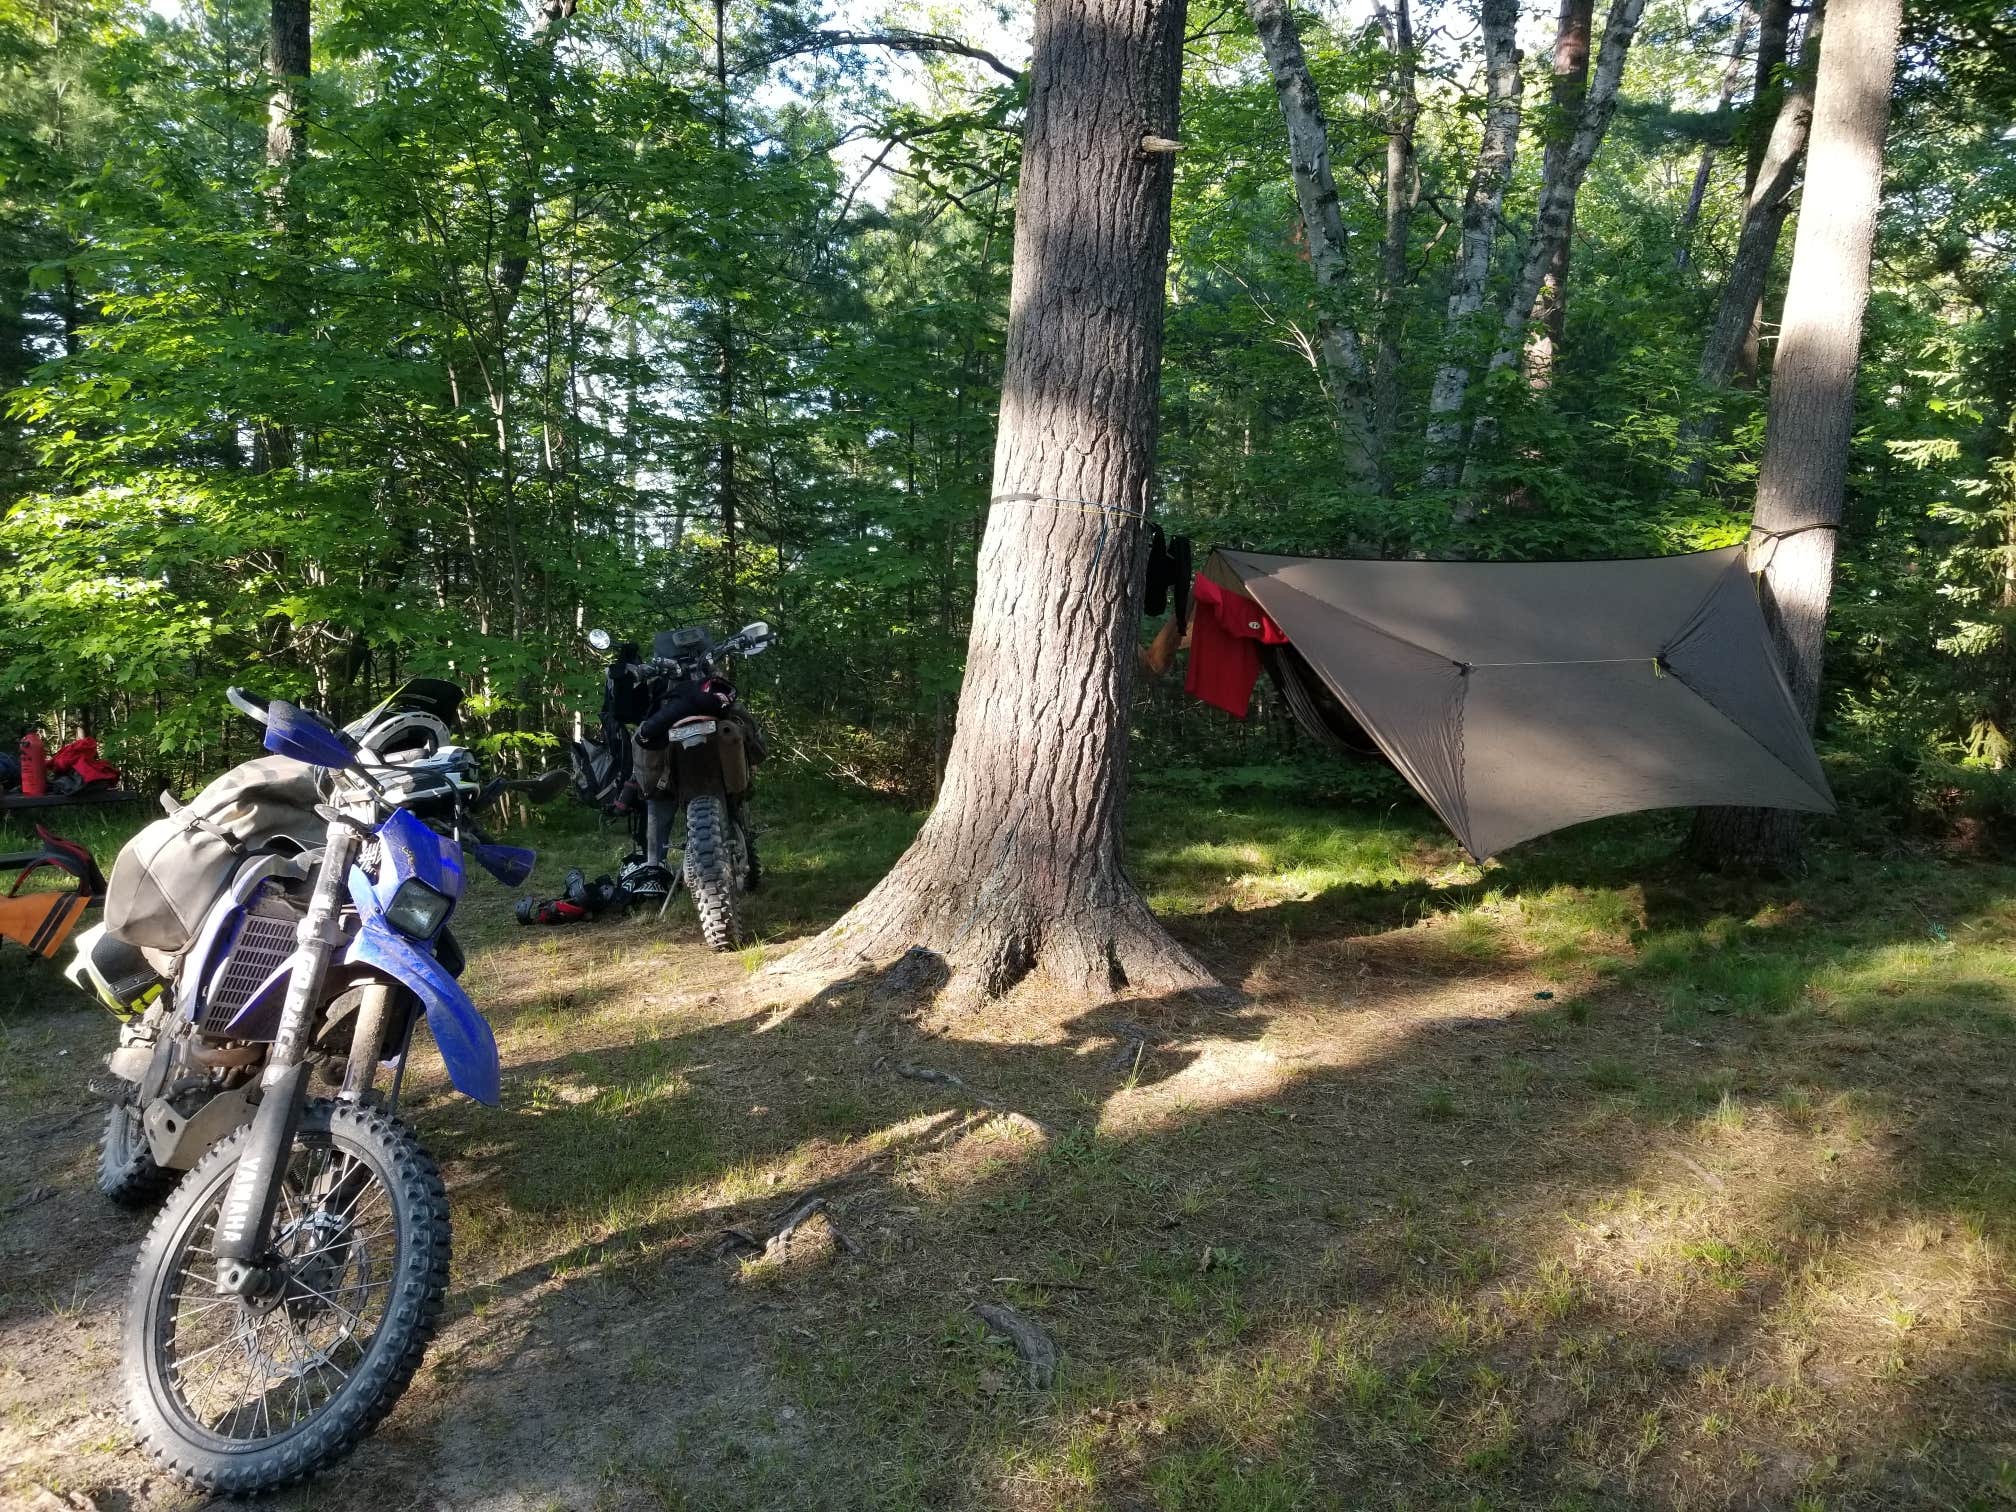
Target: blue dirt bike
(292, 1280)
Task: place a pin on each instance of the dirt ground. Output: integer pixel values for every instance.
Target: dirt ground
(1471, 1197)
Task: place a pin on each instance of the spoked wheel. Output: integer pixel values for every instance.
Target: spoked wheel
(241, 1396)
(126, 1169)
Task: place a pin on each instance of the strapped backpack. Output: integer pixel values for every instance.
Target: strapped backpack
(172, 871)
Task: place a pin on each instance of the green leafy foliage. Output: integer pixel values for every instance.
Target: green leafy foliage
(593, 322)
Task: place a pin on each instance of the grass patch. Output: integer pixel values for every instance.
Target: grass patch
(1725, 1217)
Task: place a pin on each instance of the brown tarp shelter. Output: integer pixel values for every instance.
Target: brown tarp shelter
(1520, 697)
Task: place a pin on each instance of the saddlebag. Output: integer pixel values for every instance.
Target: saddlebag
(734, 748)
(172, 871)
(719, 765)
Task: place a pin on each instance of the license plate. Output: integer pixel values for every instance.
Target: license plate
(693, 734)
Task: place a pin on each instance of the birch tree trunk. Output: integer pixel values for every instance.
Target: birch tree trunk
(1811, 416)
(1403, 191)
(1767, 99)
(1502, 84)
(1763, 219)
(1704, 166)
(1756, 248)
(1344, 369)
(1570, 88)
(1018, 868)
(287, 63)
(1556, 215)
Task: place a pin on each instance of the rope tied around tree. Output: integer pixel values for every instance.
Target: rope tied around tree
(1106, 513)
(1775, 536)
(1057, 500)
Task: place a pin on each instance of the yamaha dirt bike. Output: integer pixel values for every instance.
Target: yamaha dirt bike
(676, 742)
(291, 1282)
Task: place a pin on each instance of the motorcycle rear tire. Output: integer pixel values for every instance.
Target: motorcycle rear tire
(127, 1172)
(714, 868)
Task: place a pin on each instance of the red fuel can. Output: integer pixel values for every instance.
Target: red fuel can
(34, 765)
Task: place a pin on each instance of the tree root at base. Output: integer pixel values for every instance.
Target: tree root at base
(975, 950)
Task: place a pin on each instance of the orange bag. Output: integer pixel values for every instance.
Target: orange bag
(41, 921)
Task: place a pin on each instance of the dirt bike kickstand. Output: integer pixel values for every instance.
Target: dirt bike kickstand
(678, 878)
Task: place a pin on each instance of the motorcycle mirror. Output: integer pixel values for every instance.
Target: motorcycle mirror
(599, 640)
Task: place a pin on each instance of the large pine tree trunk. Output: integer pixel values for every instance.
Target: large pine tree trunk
(1811, 416)
(287, 69)
(1018, 868)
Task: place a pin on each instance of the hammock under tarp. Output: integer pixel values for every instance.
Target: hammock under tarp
(1521, 697)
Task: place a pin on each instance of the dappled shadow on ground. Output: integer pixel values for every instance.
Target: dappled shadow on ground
(1393, 1226)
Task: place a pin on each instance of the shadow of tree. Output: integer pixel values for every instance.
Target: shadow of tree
(1726, 1221)
(1419, 1237)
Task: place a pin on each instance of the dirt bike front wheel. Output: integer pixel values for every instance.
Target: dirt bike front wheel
(715, 870)
(241, 1396)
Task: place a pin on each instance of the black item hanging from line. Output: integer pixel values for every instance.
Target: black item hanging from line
(1180, 569)
(1157, 598)
(1169, 575)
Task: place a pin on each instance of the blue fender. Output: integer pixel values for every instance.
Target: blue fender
(467, 1046)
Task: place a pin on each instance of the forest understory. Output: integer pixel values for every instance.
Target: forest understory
(1577, 1181)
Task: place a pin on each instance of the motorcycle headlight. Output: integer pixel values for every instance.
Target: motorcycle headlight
(417, 910)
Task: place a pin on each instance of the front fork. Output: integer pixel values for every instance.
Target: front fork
(244, 1227)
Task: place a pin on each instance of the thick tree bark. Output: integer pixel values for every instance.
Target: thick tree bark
(1556, 215)
(1811, 417)
(1756, 247)
(1403, 192)
(1767, 98)
(1344, 368)
(1570, 88)
(1018, 869)
(1502, 84)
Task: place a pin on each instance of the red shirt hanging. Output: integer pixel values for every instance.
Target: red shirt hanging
(1226, 633)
